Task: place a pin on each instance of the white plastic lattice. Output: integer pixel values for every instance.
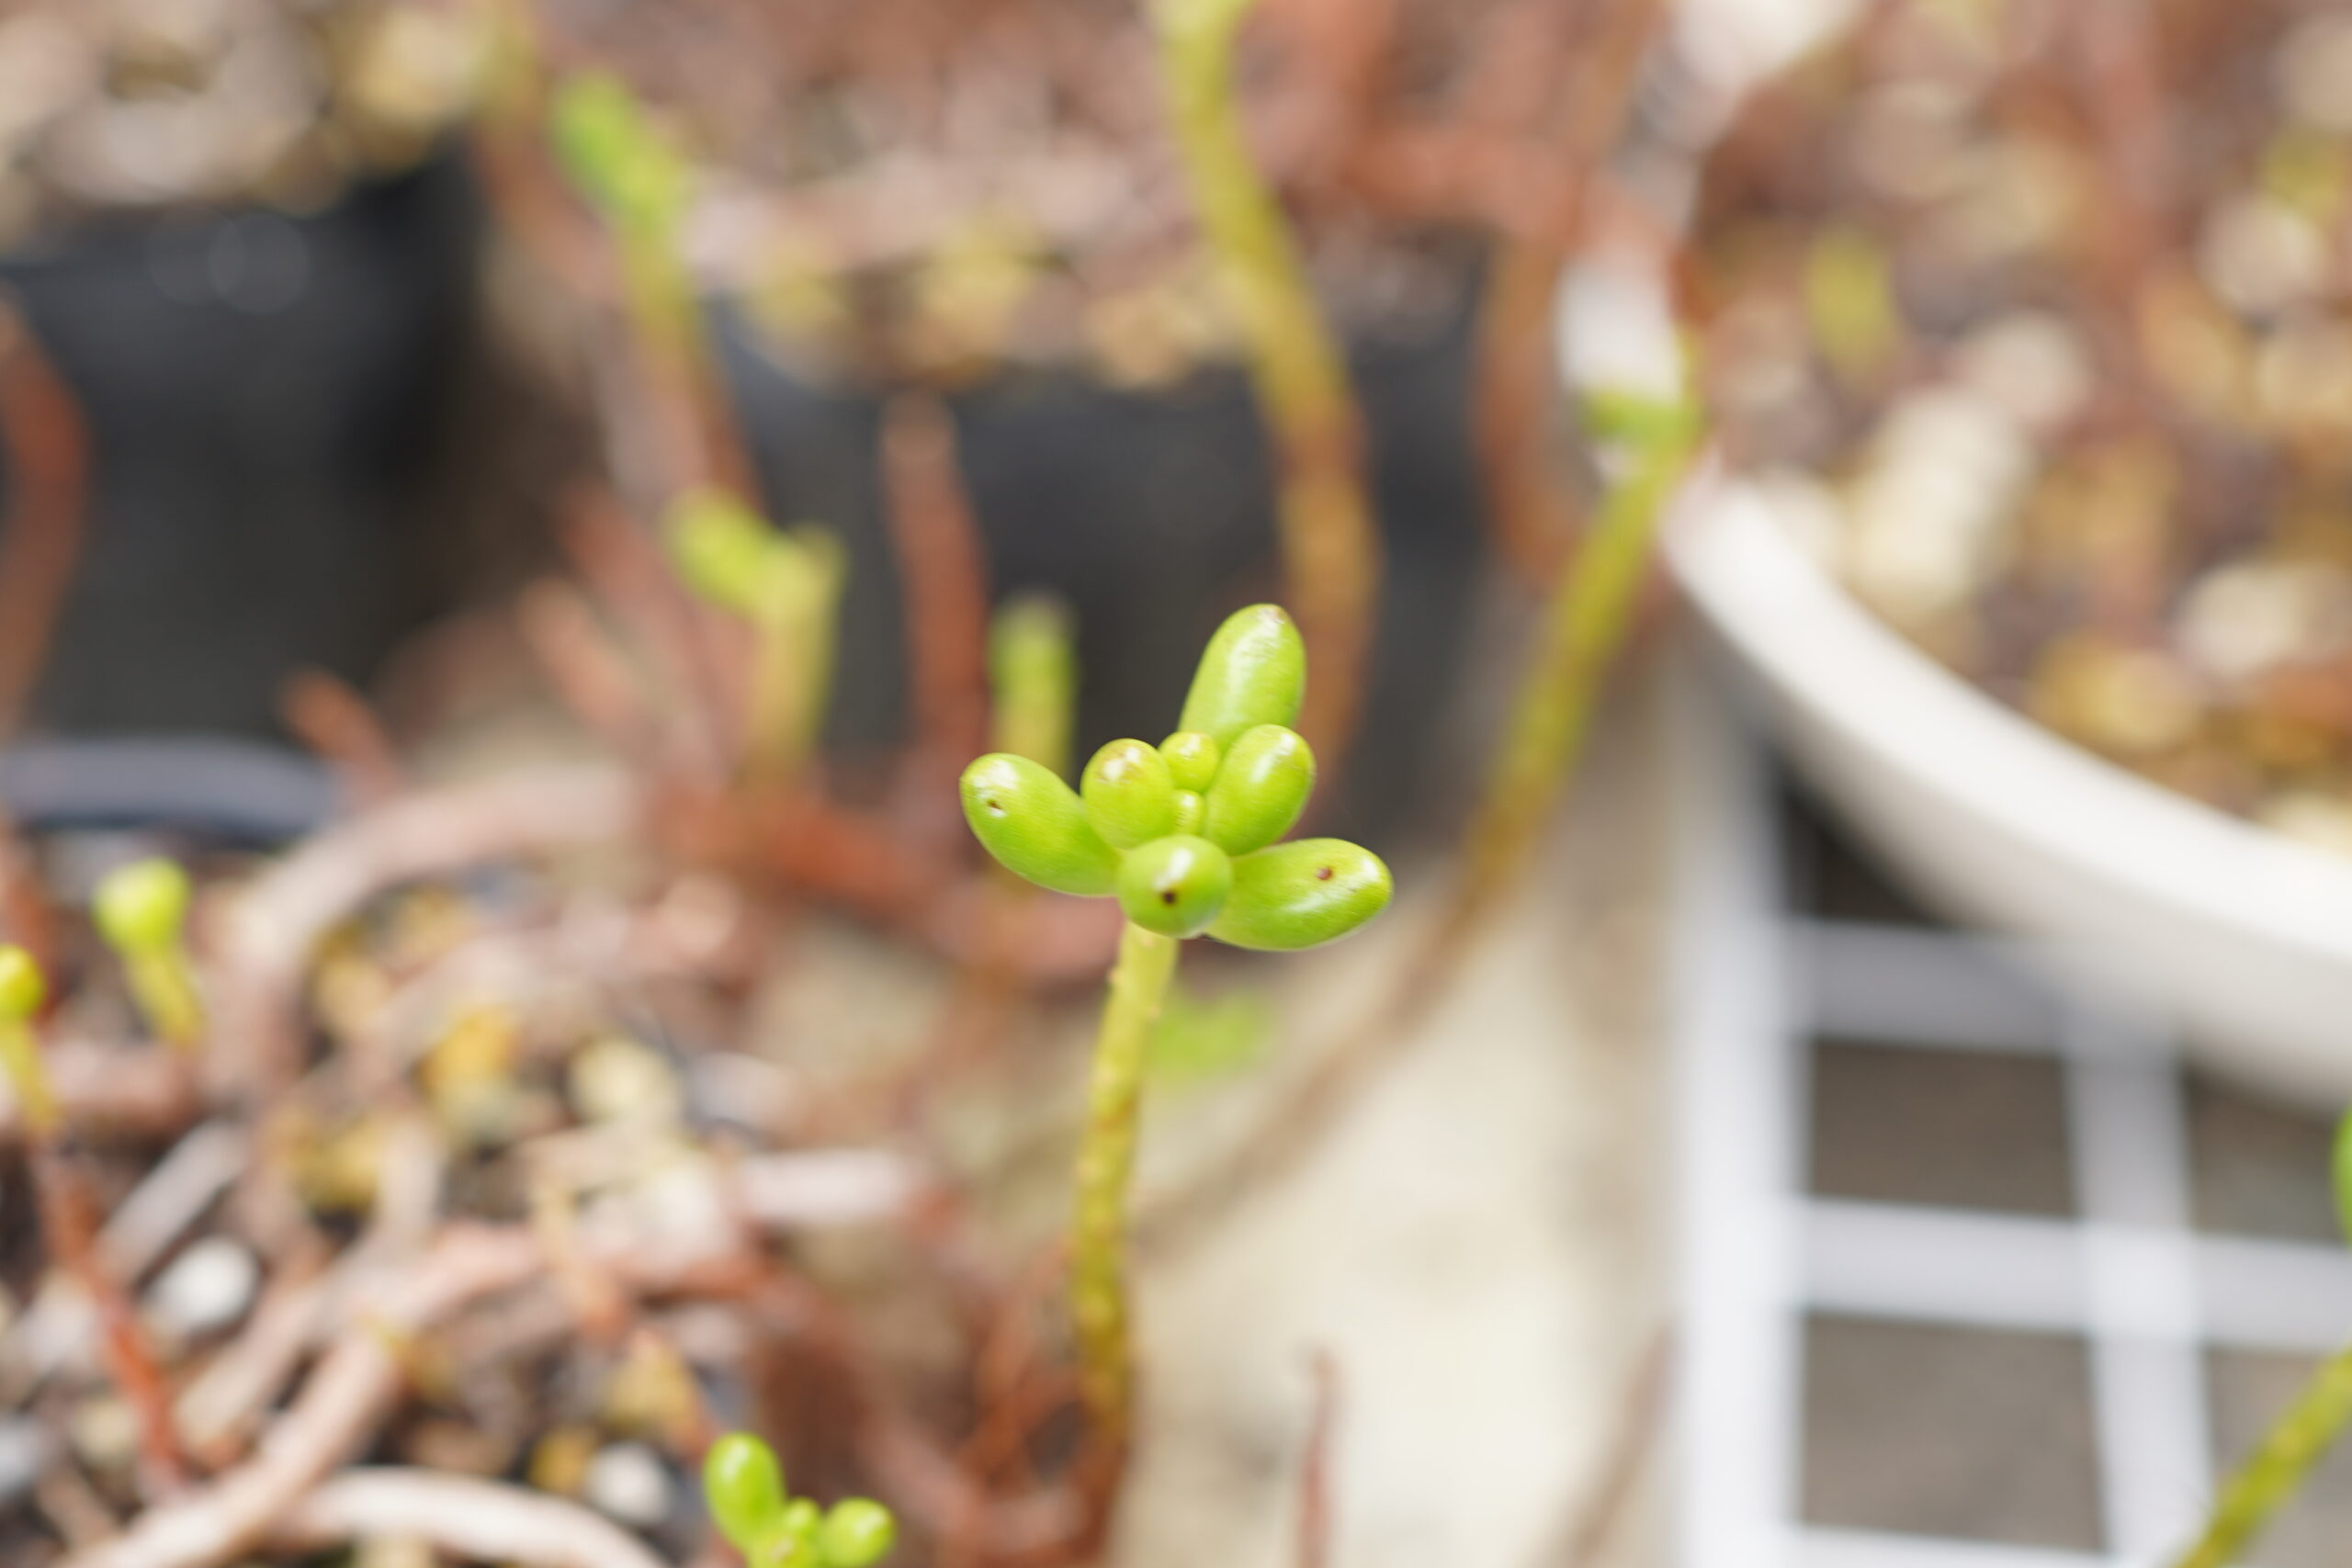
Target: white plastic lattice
(2148, 1294)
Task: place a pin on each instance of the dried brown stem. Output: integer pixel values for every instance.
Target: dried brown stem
(486, 1521)
(69, 1227)
(630, 578)
(48, 478)
(353, 1389)
(282, 915)
(590, 673)
(943, 581)
(1518, 372)
(337, 724)
(113, 1091)
(1600, 1511)
(1314, 1519)
(26, 916)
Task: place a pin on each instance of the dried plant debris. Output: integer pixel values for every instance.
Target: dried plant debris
(920, 186)
(2048, 306)
(157, 105)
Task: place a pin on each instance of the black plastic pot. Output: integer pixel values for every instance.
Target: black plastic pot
(221, 791)
(264, 395)
(1152, 516)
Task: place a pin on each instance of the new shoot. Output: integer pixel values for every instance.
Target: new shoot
(1185, 835)
(786, 586)
(142, 911)
(744, 1484)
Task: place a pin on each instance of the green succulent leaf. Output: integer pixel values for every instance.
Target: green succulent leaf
(1175, 886)
(23, 989)
(1192, 759)
(140, 907)
(1302, 894)
(1259, 790)
(1130, 797)
(857, 1533)
(744, 1486)
(1253, 672)
(1036, 827)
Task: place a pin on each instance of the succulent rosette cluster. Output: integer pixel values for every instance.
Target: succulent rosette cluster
(1187, 834)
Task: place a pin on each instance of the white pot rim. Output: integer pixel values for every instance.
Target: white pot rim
(1817, 647)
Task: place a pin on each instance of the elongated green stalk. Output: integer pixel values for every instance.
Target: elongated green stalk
(1331, 551)
(792, 675)
(1106, 1161)
(1591, 608)
(2275, 1470)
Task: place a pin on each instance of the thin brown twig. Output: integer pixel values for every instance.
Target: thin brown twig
(1518, 374)
(108, 1090)
(344, 1399)
(27, 915)
(337, 724)
(627, 574)
(69, 1228)
(285, 912)
(590, 675)
(943, 583)
(1315, 1516)
(48, 475)
(1600, 1511)
(487, 1521)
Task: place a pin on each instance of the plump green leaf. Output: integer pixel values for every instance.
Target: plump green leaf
(744, 1486)
(1261, 789)
(1302, 894)
(1175, 886)
(857, 1533)
(1253, 672)
(1035, 825)
(1130, 797)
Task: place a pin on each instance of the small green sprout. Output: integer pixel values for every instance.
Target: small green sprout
(141, 910)
(744, 1486)
(614, 155)
(1175, 829)
(1184, 834)
(1032, 677)
(23, 991)
(787, 585)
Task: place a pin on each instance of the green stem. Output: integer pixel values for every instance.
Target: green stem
(2274, 1472)
(1590, 611)
(1105, 1169)
(1332, 552)
(164, 984)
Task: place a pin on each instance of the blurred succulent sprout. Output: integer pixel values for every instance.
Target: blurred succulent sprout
(744, 1484)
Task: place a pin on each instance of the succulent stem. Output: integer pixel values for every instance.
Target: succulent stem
(2275, 1470)
(1098, 1299)
(164, 984)
(29, 1080)
(1591, 610)
(1331, 551)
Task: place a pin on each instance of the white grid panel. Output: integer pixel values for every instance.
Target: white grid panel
(1752, 984)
